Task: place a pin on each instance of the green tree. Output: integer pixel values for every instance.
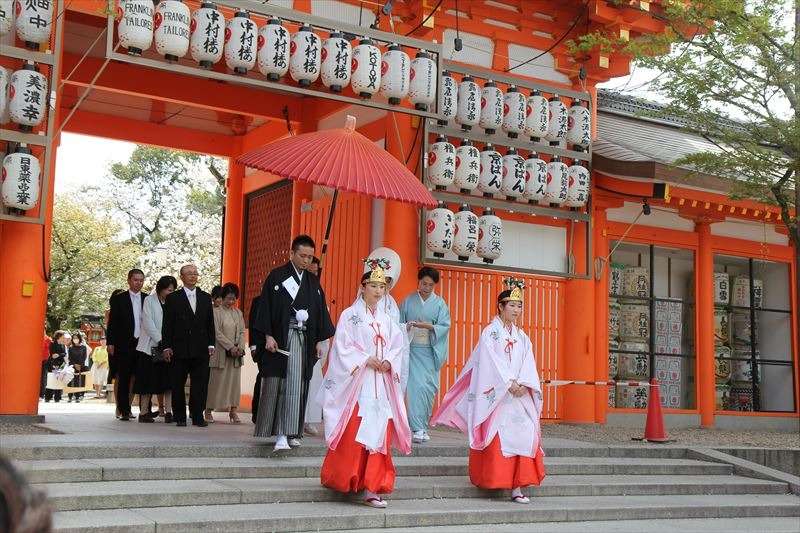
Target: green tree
(88, 261)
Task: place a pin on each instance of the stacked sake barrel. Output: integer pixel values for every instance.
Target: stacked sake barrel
(742, 335)
(614, 310)
(634, 334)
(668, 323)
(722, 340)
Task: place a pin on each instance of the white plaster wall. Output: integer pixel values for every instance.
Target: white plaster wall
(658, 217)
(542, 68)
(478, 50)
(334, 10)
(364, 115)
(751, 231)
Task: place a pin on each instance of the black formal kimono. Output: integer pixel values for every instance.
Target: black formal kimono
(189, 334)
(285, 378)
(53, 363)
(77, 357)
(121, 334)
(257, 349)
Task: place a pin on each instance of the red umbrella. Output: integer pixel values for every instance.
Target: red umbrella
(343, 159)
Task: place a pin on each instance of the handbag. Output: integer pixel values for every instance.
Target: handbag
(157, 353)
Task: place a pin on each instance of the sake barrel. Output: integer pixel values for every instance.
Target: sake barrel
(722, 364)
(636, 282)
(614, 310)
(613, 359)
(615, 278)
(634, 323)
(635, 366)
(722, 288)
(742, 327)
(632, 397)
(612, 396)
(741, 367)
(722, 397)
(741, 292)
(741, 399)
(722, 326)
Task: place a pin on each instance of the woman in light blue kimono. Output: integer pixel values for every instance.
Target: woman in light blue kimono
(428, 321)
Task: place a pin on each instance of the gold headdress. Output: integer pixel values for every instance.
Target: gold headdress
(377, 274)
(516, 286)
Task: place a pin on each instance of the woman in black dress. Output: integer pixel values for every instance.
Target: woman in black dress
(58, 355)
(78, 357)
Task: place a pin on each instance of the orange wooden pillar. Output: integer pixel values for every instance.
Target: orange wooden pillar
(601, 315)
(579, 338)
(401, 227)
(234, 224)
(704, 288)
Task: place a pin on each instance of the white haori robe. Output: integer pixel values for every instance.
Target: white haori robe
(360, 334)
(479, 402)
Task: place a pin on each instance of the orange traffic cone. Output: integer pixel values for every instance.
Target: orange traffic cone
(654, 427)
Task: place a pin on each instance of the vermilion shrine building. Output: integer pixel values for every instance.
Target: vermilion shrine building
(685, 295)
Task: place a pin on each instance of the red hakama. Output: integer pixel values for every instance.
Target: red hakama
(488, 469)
(351, 468)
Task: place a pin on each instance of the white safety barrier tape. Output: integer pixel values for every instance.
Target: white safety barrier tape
(559, 382)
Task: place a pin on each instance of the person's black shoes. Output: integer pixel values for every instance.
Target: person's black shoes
(181, 423)
(200, 423)
(146, 419)
(168, 418)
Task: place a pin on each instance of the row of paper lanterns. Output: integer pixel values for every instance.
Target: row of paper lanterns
(509, 175)
(19, 184)
(304, 55)
(535, 116)
(464, 233)
(32, 19)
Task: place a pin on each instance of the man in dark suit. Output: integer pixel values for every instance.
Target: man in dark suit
(123, 335)
(257, 349)
(187, 337)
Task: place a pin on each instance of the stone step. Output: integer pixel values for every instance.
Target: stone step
(244, 518)
(157, 493)
(60, 471)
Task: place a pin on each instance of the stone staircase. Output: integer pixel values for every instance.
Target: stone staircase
(174, 487)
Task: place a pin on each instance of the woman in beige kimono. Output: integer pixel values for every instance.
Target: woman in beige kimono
(226, 364)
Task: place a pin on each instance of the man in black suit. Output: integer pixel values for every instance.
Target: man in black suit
(123, 335)
(257, 349)
(187, 337)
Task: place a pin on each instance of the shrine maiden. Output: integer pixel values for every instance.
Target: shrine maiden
(363, 409)
(497, 401)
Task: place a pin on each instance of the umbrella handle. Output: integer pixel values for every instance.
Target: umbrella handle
(328, 227)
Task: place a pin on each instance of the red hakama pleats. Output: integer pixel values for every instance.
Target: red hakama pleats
(488, 469)
(351, 468)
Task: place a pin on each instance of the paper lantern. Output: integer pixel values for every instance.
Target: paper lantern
(491, 171)
(448, 99)
(422, 81)
(5, 78)
(337, 55)
(491, 107)
(241, 39)
(34, 20)
(366, 79)
(514, 112)
(490, 237)
(513, 175)
(577, 185)
(6, 16)
(27, 97)
(468, 163)
(469, 96)
(441, 163)
(172, 34)
(537, 116)
(535, 178)
(207, 39)
(557, 182)
(465, 234)
(439, 230)
(305, 56)
(135, 29)
(20, 179)
(579, 129)
(273, 50)
(395, 74)
(557, 120)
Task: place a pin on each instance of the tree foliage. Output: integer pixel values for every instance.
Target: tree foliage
(87, 262)
(728, 70)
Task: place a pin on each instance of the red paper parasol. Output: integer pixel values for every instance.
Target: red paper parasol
(344, 160)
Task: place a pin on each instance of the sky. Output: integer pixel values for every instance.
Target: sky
(83, 160)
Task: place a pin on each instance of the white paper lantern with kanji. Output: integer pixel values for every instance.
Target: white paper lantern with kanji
(537, 116)
(491, 107)
(491, 171)
(490, 237)
(441, 163)
(469, 97)
(305, 56)
(514, 104)
(557, 122)
(579, 128)
(337, 55)
(207, 39)
(535, 178)
(20, 179)
(468, 163)
(557, 181)
(439, 230)
(27, 97)
(273, 50)
(465, 237)
(135, 29)
(5, 78)
(241, 39)
(513, 175)
(395, 74)
(422, 81)
(6, 16)
(34, 20)
(448, 98)
(172, 34)
(578, 185)
(366, 79)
